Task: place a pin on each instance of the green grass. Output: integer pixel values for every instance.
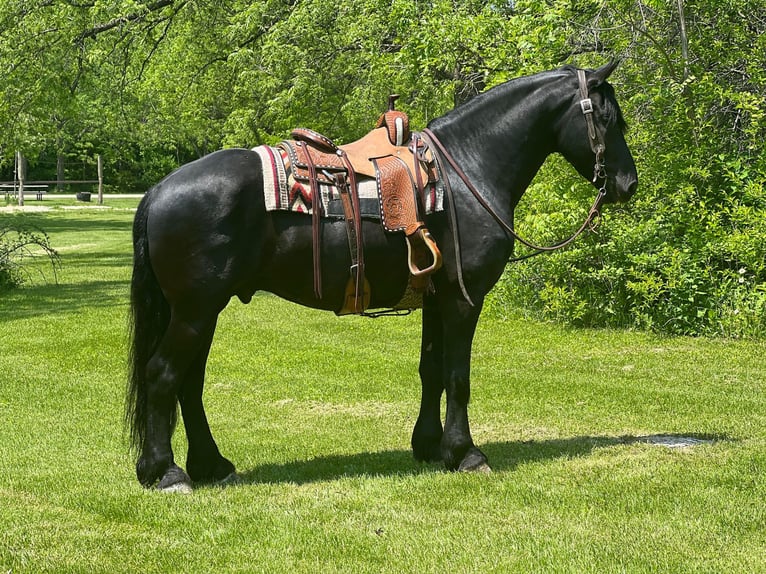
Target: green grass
(316, 412)
(67, 201)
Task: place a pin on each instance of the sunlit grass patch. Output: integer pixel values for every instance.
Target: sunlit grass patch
(569, 419)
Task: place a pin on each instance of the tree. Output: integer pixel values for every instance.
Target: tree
(688, 255)
(151, 84)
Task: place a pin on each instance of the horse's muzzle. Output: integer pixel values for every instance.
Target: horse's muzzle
(621, 188)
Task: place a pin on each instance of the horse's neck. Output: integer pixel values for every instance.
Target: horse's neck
(502, 137)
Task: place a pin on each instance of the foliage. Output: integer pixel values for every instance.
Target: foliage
(153, 84)
(688, 255)
(18, 243)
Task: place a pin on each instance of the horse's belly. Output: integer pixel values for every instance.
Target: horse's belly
(289, 269)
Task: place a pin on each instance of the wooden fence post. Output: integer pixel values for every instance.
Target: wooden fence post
(100, 180)
(21, 175)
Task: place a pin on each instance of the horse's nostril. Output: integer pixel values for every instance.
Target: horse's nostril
(632, 187)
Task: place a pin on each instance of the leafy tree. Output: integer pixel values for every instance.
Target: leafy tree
(151, 84)
(688, 255)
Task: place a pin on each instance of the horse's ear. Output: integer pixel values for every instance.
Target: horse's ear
(599, 76)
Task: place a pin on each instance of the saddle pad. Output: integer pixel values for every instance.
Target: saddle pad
(283, 193)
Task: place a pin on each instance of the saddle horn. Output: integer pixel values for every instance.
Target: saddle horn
(397, 123)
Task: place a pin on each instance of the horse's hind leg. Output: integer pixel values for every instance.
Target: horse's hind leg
(165, 373)
(204, 462)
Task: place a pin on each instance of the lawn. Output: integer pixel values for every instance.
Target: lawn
(316, 412)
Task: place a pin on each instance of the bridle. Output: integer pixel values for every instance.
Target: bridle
(598, 147)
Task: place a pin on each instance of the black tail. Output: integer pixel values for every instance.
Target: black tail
(149, 318)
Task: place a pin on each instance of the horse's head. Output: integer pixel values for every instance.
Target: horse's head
(591, 135)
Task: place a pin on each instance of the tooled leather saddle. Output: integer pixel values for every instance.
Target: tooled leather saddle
(401, 166)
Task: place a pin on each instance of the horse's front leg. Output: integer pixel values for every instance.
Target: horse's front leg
(427, 435)
(458, 450)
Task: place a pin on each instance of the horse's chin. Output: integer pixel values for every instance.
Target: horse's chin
(626, 189)
(613, 198)
(618, 192)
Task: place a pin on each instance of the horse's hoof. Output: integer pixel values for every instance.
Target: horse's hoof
(426, 447)
(425, 454)
(175, 480)
(179, 487)
(482, 468)
(474, 461)
(209, 470)
(230, 480)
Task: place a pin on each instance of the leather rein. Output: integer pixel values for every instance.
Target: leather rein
(598, 147)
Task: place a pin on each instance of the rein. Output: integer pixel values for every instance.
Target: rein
(599, 172)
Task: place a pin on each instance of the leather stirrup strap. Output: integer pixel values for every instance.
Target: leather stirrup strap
(430, 140)
(316, 222)
(349, 213)
(357, 267)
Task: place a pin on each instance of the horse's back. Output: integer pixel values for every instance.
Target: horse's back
(215, 180)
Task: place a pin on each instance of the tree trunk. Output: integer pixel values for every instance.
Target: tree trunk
(60, 171)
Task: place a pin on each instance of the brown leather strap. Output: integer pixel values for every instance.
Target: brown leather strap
(593, 213)
(597, 145)
(348, 212)
(351, 302)
(419, 185)
(316, 222)
(586, 105)
(451, 215)
(357, 246)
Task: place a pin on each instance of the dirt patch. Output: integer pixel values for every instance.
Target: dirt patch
(673, 441)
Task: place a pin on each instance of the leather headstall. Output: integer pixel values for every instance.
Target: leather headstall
(597, 145)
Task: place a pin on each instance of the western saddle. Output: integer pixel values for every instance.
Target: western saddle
(399, 163)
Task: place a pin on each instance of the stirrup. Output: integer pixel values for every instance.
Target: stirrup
(423, 237)
(354, 302)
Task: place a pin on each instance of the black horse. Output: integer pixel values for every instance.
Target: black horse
(202, 235)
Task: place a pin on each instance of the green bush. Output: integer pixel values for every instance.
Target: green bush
(19, 244)
(671, 262)
(688, 254)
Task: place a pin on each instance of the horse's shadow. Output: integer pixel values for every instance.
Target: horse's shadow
(503, 456)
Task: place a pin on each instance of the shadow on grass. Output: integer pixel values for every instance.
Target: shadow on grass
(55, 221)
(503, 456)
(122, 260)
(51, 299)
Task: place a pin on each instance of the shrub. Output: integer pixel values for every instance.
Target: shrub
(672, 261)
(19, 243)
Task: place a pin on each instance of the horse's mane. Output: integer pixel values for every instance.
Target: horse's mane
(612, 112)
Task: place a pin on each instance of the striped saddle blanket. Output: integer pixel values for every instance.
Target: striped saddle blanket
(283, 191)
